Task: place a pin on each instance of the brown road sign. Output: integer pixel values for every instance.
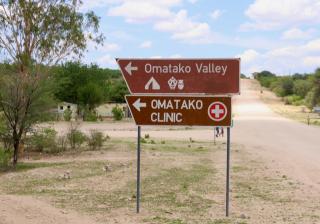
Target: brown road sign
(181, 76)
(180, 110)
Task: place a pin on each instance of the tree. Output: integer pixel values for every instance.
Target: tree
(313, 96)
(283, 86)
(117, 91)
(35, 35)
(90, 96)
(81, 84)
(301, 87)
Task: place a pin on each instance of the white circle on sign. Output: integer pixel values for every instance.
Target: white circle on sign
(217, 111)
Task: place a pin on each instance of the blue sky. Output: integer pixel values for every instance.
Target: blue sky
(281, 35)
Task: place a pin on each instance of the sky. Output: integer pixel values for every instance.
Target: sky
(281, 36)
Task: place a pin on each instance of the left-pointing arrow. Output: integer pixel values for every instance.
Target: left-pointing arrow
(138, 105)
(129, 68)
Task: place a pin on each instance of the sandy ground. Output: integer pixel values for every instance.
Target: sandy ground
(294, 146)
(288, 146)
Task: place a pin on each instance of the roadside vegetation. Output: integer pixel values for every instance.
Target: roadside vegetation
(298, 89)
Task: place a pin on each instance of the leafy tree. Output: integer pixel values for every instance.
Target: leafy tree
(301, 87)
(35, 35)
(313, 97)
(117, 91)
(283, 86)
(90, 95)
(265, 78)
(88, 86)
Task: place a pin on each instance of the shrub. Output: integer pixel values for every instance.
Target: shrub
(90, 115)
(5, 157)
(67, 114)
(142, 140)
(117, 113)
(146, 136)
(43, 140)
(75, 137)
(96, 140)
(62, 143)
(292, 100)
(302, 87)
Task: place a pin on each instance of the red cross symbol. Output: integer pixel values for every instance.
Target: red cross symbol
(217, 111)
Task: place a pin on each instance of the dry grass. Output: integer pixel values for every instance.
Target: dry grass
(298, 113)
(182, 182)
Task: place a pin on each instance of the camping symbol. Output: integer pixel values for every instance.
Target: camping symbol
(172, 83)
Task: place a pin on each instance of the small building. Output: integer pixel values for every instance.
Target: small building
(105, 110)
(63, 106)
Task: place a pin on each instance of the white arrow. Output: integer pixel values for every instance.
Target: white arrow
(129, 68)
(137, 104)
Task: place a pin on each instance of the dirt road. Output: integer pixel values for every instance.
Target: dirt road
(294, 147)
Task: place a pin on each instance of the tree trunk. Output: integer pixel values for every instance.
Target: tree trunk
(16, 151)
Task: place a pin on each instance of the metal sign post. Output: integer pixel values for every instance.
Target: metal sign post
(187, 92)
(228, 172)
(138, 168)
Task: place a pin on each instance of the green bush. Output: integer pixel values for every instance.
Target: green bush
(90, 115)
(43, 140)
(76, 138)
(96, 140)
(267, 81)
(143, 140)
(117, 113)
(283, 86)
(67, 114)
(301, 87)
(5, 158)
(293, 100)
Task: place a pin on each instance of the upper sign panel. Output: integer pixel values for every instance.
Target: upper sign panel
(181, 76)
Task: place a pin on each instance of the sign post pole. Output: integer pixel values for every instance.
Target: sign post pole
(138, 168)
(228, 172)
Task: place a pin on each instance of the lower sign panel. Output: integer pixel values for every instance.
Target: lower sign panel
(180, 110)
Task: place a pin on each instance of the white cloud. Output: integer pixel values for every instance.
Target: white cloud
(313, 61)
(216, 14)
(164, 19)
(266, 14)
(110, 47)
(192, 1)
(248, 56)
(93, 4)
(106, 47)
(107, 61)
(284, 60)
(156, 56)
(146, 44)
(184, 29)
(313, 46)
(138, 11)
(297, 34)
(175, 56)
